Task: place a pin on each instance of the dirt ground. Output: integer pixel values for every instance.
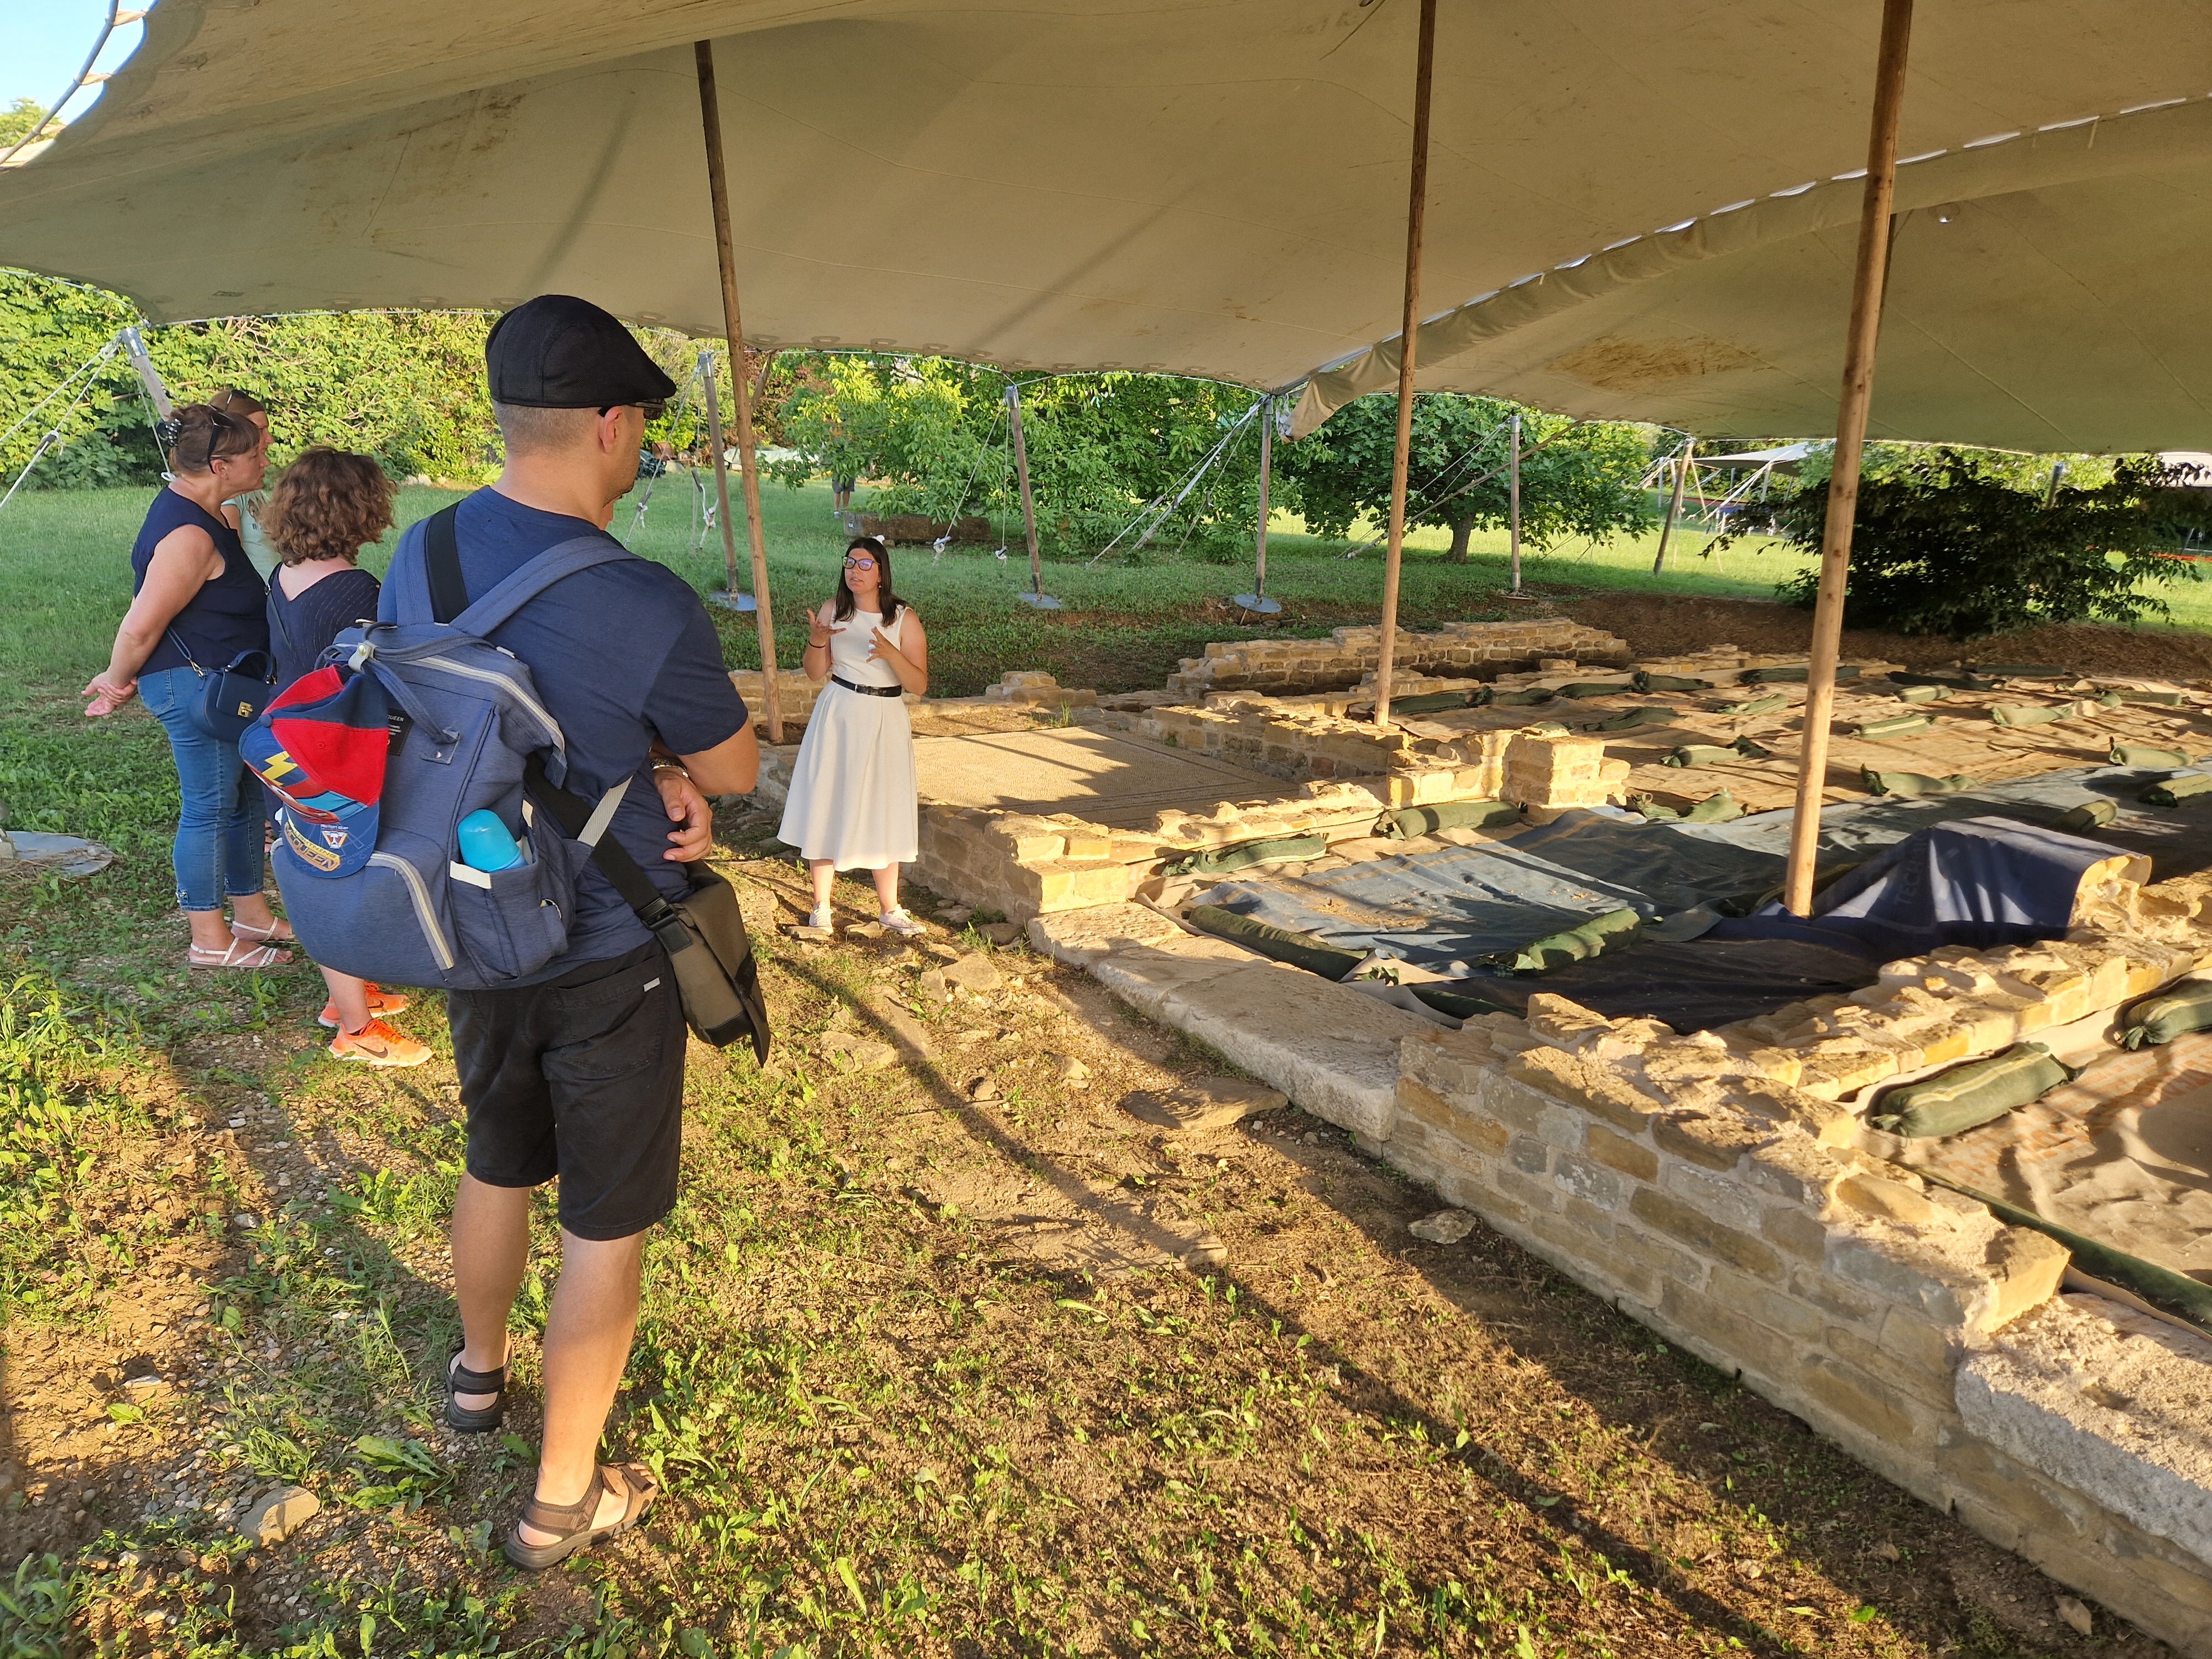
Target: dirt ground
(945, 1351)
(1663, 624)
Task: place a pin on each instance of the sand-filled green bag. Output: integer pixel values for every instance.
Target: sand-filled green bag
(1765, 705)
(1594, 938)
(2165, 1015)
(2089, 817)
(1597, 688)
(1700, 754)
(2181, 787)
(1720, 808)
(1245, 855)
(2033, 714)
(1923, 694)
(1430, 702)
(2126, 754)
(1409, 822)
(1968, 1094)
(1844, 671)
(1644, 682)
(1896, 725)
(1649, 714)
(1911, 784)
(1527, 697)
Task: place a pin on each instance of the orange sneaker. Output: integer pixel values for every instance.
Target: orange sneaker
(381, 1004)
(378, 1044)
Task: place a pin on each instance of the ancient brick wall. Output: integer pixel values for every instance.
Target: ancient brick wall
(1461, 650)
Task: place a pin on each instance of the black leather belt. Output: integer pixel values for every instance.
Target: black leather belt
(868, 691)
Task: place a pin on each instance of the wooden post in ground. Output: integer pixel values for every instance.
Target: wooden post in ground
(717, 186)
(721, 472)
(1867, 279)
(1513, 498)
(1674, 503)
(1036, 595)
(1417, 202)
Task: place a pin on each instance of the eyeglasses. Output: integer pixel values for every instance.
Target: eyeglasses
(653, 409)
(859, 564)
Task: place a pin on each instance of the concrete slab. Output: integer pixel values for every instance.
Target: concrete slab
(1331, 1050)
(2106, 1403)
(1101, 777)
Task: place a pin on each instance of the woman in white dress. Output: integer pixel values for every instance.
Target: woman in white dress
(852, 805)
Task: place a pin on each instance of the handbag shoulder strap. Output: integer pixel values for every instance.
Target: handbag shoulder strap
(185, 652)
(575, 815)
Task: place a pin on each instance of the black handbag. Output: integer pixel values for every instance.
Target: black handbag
(231, 699)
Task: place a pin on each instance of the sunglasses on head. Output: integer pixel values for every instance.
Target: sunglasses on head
(859, 564)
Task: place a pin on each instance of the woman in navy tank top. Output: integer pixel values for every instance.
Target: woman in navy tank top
(198, 603)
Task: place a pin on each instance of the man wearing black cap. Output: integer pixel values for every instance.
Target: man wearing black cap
(579, 1074)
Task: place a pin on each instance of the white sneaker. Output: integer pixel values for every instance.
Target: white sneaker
(821, 919)
(902, 924)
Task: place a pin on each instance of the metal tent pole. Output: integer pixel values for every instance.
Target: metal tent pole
(1036, 595)
(1513, 499)
(1257, 601)
(733, 596)
(1408, 337)
(1674, 504)
(1867, 282)
(718, 185)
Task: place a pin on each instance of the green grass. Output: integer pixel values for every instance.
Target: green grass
(64, 580)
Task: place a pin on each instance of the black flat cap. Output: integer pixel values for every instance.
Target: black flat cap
(559, 352)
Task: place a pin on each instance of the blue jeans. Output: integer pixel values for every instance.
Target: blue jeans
(218, 850)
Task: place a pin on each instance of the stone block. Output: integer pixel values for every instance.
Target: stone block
(1617, 1152)
(1536, 1197)
(1800, 1233)
(1727, 1200)
(1876, 1408)
(1885, 1200)
(1658, 1261)
(1904, 1372)
(1693, 1227)
(1776, 1309)
(1589, 1181)
(1716, 1143)
(2024, 1268)
(1726, 1337)
(1422, 1104)
(1528, 1155)
(1836, 1298)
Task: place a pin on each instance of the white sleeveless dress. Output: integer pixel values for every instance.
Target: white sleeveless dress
(853, 797)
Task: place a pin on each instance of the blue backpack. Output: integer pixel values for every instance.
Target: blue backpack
(467, 732)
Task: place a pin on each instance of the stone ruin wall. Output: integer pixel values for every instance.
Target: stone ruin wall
(1464, 650)
(1708, 1187)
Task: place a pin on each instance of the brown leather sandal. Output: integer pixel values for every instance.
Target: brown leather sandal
(572, 1522)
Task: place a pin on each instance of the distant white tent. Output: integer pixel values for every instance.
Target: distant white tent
(1782, 455)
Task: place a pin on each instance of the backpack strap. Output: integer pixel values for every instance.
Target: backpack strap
(425, 582)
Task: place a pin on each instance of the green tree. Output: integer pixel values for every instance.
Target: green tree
(1577, 478)
(930, 434)
(16, 120)
(1964, 543)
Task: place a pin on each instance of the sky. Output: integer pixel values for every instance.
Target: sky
(43, 42)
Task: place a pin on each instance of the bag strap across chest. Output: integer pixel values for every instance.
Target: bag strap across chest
(432, 589)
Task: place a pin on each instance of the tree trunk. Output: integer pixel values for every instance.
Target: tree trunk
(1462, 530)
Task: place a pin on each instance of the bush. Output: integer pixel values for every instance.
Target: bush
(1961, 543)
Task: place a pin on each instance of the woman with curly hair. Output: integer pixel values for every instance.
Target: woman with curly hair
(327, 507)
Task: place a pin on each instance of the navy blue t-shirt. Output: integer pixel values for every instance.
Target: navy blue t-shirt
(621, 653)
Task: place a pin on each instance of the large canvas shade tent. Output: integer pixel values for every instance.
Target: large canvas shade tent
(1632, 211)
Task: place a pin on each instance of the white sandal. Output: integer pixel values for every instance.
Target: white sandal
(240, 955)
(268, 935)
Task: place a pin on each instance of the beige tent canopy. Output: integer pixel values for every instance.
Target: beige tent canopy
(1213, 189)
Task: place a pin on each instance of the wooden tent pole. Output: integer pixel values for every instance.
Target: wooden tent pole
(1266, 465)
(1408, 337)
(1868, 280)
(1022, 472)
(717, 186)
(1513, 498)
(1674, 504)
